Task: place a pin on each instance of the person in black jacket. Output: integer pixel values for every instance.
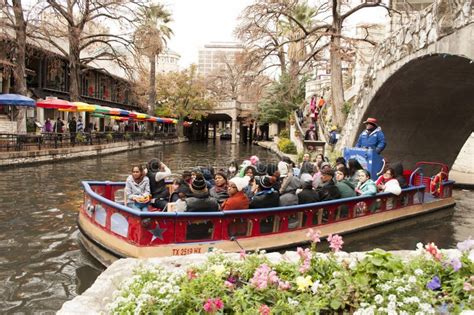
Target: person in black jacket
(265, 195)
(157, 171)
(307, 194)
(328, 190)
(200, 201)
(398, 168)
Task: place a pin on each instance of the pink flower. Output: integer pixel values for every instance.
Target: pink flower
(335, 242)
(314, 235)
(433, 250)
(263, 277)
(191, 273)
(467, 286)
(305, 256)
(228, 284)
(242, 254)
(264, 310)
(213, 305)
(283, 285)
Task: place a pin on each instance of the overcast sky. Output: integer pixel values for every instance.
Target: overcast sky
(198, 22)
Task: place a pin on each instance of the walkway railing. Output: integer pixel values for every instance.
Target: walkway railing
(29, 142)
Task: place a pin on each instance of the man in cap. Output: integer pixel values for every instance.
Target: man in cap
(372, 137)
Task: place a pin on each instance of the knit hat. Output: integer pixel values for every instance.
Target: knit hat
(305, 177)
(261, 169)
(324, 164)
(198, 183)
(154, 165)
(283, 169)
(254, 159)
(265, 182)
(239, 182)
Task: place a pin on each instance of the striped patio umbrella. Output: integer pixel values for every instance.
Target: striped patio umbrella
(54, 103)
(84, 107)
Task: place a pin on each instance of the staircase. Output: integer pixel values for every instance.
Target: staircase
(7, 126)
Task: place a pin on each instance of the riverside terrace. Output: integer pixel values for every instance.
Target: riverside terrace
(43, 141)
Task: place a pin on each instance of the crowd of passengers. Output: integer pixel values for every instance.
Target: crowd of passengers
(256, 185)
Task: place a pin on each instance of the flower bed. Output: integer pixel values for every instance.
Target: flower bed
(426, 281)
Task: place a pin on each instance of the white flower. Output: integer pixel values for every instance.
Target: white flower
(392, 298)
(293, 302)
(419, 246)
(316, 285)
(471, 255)
(392, 306)
(412, 279)
(378, 299)
(385, 287)
(418, 272)
(353, 264)
(400, 289)
(218, 269)
(336, 274)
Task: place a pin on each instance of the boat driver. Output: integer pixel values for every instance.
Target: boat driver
(372, 137)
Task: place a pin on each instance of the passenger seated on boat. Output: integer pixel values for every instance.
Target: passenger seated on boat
(289, 186)
(219, 191)
(387, 183)
(137, 189)
(237, 199)
(345, 187)
(156, 172)
(199, 170)
(328, 190)
(180, 186)
(340, 161)
(398, 169)
(306, 167)
(317, 178)
(366, 186)
(272, 170)
(200, 201)
(265, 196)
(354, 166)
(307, 194)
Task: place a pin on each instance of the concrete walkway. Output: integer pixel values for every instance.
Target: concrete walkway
(18, 158)
(272, 146)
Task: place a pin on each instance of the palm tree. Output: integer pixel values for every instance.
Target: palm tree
(150, 39)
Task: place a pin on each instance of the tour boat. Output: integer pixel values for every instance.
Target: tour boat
(110, 230)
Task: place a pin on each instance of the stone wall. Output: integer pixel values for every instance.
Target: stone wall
(16, 158)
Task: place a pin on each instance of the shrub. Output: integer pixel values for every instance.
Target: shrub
(284, 133)
(80, 138)
(287, 146)
(109, 137)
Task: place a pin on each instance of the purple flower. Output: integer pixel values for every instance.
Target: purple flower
(466, 245)
(434, 284)
(456, 264)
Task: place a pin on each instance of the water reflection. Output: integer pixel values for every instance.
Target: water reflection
(41, 263)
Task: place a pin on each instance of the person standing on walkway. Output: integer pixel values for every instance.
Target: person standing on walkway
(72, 129)
(58, 129)
(48, 127)
(80, 125)
(372, 137)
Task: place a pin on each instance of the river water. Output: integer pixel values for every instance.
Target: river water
(42, 265)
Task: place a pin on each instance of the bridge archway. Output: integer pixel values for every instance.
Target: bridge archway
(426, 109)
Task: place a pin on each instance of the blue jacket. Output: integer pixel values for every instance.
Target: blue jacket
(368, 188)
(375, 140)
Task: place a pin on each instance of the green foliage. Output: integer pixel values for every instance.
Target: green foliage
(346, 108)
(281, 99)
(284, 133)
(183, 94)
(287, 146)
(109, 137)
(80, 138)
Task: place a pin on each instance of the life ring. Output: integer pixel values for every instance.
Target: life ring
(435, 186)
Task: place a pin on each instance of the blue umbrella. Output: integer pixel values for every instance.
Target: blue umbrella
(16, 100)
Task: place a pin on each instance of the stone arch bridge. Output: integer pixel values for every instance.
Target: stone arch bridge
(420, 87)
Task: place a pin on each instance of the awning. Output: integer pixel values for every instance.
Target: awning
(16, 100)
